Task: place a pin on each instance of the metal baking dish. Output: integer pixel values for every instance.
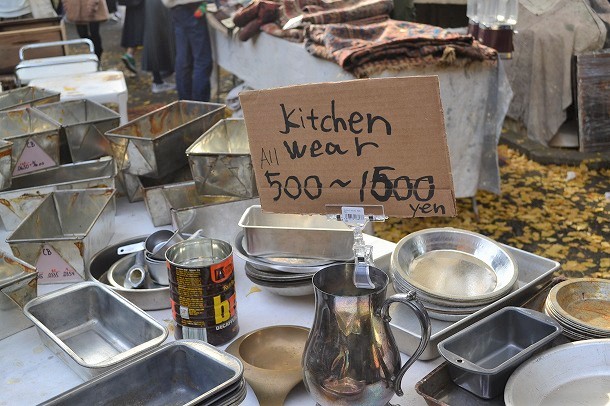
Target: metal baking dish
(26, 97)
(155, 143)
(6, 164)
(295, 235)
(184, 372)
(133, 185)
(27, 191)
(220, 160)
(64, 231)
(35, 140)
(145, 299)
(218, 220)
(83, 125)
(534, 272)
(18, 284)
(482, 356)
(93, 329)
(161, 199)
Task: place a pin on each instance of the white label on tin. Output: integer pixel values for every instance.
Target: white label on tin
(184, 312)
(33, 158)
(52, 268)
(353, 215)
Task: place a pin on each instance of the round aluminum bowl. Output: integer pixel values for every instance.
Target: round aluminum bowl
(266, 266)
(454, 265)
(145, 299)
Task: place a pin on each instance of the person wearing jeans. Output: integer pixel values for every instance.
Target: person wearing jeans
(193, 65)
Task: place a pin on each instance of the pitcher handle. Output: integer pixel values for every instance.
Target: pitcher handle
(410, 300)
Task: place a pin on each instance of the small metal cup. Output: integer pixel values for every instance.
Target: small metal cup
(157, 269)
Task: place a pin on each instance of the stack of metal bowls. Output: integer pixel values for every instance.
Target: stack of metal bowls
(453, 272)
(282, 276)
(582, 307)
(282, 251)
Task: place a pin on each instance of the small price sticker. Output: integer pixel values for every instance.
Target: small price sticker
(33, 158)
(52, 268)
(353, 215)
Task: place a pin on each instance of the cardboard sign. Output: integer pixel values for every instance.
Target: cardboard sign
(359, 142)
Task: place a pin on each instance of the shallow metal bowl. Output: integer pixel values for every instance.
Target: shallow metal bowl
(145, 299)
(455, 265)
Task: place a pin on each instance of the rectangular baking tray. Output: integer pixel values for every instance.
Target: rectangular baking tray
(27, 191)
(160, 200)
(155, 143)
(26, 97)
(61, 235)
(35, 140)
(93, 329)
(184, 372)
(534, 272)
(295, 235)
(218, 220)
(83, 126)
(220, 160)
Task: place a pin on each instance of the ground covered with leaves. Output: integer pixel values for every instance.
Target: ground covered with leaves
(556, 211)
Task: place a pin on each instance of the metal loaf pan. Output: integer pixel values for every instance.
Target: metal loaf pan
(161, 199)
(25, 97)
(93, 329)
(83, 125)
(534, 272)
(482, 356)
(6, 164)
(66, 229)
(295, 235)
(18, 286)
(220, 160)
(27, 191)
(155, 143)
(35, 140)
(184, 372)
(219, 220)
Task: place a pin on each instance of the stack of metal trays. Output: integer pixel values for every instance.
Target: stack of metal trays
(184, 372)
(454, 272)
(283, 251)
(582, 307)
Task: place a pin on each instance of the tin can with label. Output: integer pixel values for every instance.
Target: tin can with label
(202, 290)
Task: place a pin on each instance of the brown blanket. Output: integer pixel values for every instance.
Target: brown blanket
(391, 45)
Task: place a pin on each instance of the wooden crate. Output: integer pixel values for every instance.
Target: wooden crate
(16, 33)
(593, 101)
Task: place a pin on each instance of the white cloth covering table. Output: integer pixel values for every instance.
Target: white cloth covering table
(475, 97)
(30, 373)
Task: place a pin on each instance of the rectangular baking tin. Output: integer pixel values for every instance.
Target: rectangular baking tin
(27, 191)
(184, 372)
(156, 142)
(295, 235)
(93, 329)
(534, 272)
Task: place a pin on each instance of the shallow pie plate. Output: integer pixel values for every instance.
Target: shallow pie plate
(583, 379)
(455, 265)
(583, 303)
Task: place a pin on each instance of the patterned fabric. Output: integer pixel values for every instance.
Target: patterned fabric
(329, 12)
(391, 45)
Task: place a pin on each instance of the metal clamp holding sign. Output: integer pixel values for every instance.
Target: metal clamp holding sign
(356, 218)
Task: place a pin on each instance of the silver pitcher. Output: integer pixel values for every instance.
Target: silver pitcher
(351, 357)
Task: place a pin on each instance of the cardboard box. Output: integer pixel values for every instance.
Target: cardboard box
(16, 33)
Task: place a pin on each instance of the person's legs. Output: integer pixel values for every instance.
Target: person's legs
(96, 38)
(202, 61)
(181, 16)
